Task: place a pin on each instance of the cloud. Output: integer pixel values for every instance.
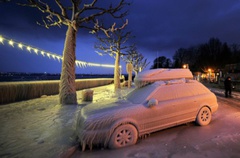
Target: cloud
(168, 25)
(160, 27)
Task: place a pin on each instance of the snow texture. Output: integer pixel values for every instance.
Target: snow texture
(191, 88)
(149, 76)
(41, 127)
(97, 121)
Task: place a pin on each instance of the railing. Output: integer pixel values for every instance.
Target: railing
(18, 91)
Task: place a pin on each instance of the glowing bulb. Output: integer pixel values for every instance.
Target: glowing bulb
(11, 43)
(36, 50)
(59, 58)
(53, 56)
(42, 52)
(29, 48)
(48, 55)
(20, 45)
(1, 39)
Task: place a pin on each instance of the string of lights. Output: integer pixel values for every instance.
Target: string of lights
(48, 54)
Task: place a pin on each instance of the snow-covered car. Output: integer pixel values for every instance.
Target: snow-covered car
(155, 106)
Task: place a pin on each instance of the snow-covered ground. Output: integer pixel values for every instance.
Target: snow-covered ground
(43, 128)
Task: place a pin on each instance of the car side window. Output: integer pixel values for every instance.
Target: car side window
(165, 93)
(174, 91)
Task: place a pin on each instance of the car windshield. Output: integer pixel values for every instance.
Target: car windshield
(139, 95)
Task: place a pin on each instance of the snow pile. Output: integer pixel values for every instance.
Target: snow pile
(151, 76)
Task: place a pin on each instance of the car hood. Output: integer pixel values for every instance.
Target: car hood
(107, 108)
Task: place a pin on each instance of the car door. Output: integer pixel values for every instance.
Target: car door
(183, 103)
(173, 107)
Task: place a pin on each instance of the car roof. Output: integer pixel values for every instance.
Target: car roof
(154, 75)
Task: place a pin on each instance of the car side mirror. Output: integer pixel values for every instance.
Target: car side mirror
(152, 102)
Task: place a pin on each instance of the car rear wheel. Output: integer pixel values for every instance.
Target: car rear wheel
(204, 116)
(123, 136)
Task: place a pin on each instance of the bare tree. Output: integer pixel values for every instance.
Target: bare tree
(112, 42)
(74, 14)
(136, 59)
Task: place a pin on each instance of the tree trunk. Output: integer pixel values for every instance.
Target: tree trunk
(129, 71)
(67, 88)
(117, 72)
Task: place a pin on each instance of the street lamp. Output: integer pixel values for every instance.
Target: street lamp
(185, 66)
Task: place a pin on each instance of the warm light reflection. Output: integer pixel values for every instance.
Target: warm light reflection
(50, 55)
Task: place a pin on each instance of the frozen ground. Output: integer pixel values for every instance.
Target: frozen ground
(42, 128)
(235, 95)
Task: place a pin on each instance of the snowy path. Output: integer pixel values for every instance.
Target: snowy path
(221, 92)
(41, 127)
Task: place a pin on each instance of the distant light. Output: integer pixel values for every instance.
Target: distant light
(43, 53)
(1, 39)
(59, 58)
(29, 48)
(52, 55)
(11, 43)
(94, 64)
(20, 45)
(49, 55)
(36, 50)
(106, 65)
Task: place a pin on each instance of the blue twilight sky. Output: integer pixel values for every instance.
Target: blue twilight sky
(160, 26)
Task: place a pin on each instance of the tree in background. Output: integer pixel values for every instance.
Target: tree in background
(112, 41)
(184, 56)
(214, 54)
(136, 59)
(161, 62)
(74, 14)
(235, 49)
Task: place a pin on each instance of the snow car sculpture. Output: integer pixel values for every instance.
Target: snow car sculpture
(164, 103)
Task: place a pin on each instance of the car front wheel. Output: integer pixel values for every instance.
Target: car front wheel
(204, 116)
(123, 136)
